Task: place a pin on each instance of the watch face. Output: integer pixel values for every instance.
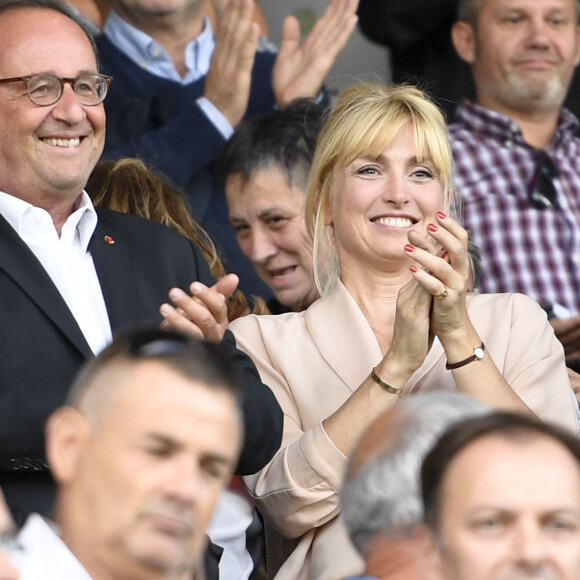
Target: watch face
(478, 352)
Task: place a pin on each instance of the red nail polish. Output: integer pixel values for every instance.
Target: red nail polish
(441, 215)
(409, 248)
(432, 228)
(414, 269)
(444, 254)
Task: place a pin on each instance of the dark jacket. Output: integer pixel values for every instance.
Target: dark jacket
(42, 347)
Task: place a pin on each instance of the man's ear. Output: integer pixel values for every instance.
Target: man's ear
(67, 432)
(463, 37)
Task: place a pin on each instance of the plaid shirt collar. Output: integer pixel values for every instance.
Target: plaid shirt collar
(478, 119)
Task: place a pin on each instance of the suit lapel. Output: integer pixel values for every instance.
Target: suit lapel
(113, 264)
(22, 266)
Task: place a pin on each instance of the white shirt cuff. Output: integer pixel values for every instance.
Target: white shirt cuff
(216, 117)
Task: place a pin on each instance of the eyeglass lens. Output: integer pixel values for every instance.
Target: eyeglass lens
(46, 89)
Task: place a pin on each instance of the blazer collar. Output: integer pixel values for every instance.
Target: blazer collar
(114, 266)
(338, 316)
(22, 266)
(353, 339)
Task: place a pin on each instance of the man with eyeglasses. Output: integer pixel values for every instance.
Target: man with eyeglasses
(517, 154)
(146, 443)
(72, 276)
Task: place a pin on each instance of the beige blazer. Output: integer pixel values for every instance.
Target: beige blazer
(314, 360)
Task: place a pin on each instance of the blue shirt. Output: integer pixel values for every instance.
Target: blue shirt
(151, 56)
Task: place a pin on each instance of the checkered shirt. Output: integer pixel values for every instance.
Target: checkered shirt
(524, 249)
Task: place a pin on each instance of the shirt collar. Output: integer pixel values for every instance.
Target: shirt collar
(148, 54)
(84, 217)
(481, 120)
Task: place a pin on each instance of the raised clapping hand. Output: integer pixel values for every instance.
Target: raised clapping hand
(220, 9)
(444, 274)
(204, 313)
(411, 337)
(300, 70)
(441, 268)
(227, 84)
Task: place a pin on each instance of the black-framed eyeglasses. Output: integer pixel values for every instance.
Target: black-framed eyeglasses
(46, 89)
(544, 193)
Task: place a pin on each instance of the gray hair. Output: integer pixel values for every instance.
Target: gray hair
(468, 11)
(58, 6)
(384, 496)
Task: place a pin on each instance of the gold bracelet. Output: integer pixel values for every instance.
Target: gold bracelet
(386, 386)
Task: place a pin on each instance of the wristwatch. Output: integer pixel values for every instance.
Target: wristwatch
(478, 354)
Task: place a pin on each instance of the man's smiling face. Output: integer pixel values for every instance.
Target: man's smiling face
(46, 153)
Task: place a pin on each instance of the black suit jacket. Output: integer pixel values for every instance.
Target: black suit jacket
(42, 346)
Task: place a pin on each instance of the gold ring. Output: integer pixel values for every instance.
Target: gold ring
(443, 294)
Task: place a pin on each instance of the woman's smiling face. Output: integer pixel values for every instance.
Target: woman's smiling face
(376, 201)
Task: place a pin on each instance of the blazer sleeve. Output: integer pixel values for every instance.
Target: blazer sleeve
(299, 489)
(134, 130)
(263, 418)
(533, 363)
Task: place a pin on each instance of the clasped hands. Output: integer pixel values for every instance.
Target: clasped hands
(433, 302)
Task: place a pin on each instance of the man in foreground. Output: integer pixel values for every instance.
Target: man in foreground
(148, 440)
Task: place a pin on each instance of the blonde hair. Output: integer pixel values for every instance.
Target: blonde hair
(365, 119)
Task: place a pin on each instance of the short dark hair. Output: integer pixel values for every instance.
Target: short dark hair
(196, 360)
(511, 426)
(56, 5)
(468, 11)
(285, 138)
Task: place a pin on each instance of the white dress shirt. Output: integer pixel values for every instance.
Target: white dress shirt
(43, 555)
(66, 259)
